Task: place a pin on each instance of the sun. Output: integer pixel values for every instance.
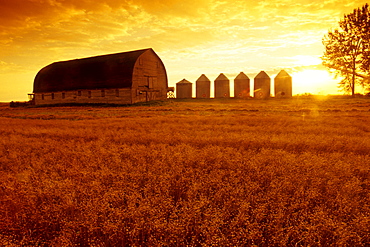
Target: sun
(314, 81)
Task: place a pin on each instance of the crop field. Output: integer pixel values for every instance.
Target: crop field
(187, 173)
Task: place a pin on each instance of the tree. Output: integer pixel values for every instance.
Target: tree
(347, 49)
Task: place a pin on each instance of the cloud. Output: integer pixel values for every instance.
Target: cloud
(11, 68)
(89, 22)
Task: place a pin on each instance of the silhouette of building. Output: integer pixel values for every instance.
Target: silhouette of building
(203, 87)
(283, 85)
(184, 89)
(121, 78)
(222, 87)
(241, 86)
(262, 85)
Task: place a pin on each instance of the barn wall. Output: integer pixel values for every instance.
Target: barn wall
(149, 80)
(147, 95)
(106, 96)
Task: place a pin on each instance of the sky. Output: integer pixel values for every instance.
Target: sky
(191, 37)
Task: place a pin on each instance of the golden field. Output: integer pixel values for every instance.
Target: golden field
(187, 173)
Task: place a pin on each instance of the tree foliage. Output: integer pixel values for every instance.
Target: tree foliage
(347, 49)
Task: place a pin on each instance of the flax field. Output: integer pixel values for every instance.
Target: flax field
(292, 172)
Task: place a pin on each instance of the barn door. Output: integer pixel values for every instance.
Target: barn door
(150, 96)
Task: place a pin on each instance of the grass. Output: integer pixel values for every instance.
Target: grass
(187, 173)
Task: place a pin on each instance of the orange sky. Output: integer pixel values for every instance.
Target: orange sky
(191, 37)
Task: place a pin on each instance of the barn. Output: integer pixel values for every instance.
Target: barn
(121, 78)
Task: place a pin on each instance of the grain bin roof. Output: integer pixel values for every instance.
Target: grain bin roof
(262, 75)
(221, 77)
(106, 71)
(282, 73)
(203, 77)
(183, 81)
(241, 76)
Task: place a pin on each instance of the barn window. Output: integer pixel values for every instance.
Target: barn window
(42, 96)
(63, 95)
(140, 61)
(52, 95)
(79, 93)
(89, 94)
(150, 82)
(103, 93)
(117, 92)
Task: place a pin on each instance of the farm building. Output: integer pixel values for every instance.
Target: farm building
(203, 87)
(262, 85)
(283, 85)
(222, 87)
(184, 89)
(121, 78)
(241, 86)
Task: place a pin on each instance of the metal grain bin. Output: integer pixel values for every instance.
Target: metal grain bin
(222, 87)
(262, 85)
(184, 89)
(203, 87)
(241, 86)
(283, 85)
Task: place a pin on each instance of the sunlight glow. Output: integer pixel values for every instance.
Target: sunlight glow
(313, 81)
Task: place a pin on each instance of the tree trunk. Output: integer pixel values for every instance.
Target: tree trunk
(353, 85)
(353, 77)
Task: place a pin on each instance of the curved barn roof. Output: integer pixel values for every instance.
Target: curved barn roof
(106, 71)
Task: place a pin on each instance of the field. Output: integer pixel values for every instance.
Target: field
(187, 173)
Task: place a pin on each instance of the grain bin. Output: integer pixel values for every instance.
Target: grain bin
(262, 84)
(222, 87)
(184, 89)
(241, 86)
(203, 87)
(283, 85)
